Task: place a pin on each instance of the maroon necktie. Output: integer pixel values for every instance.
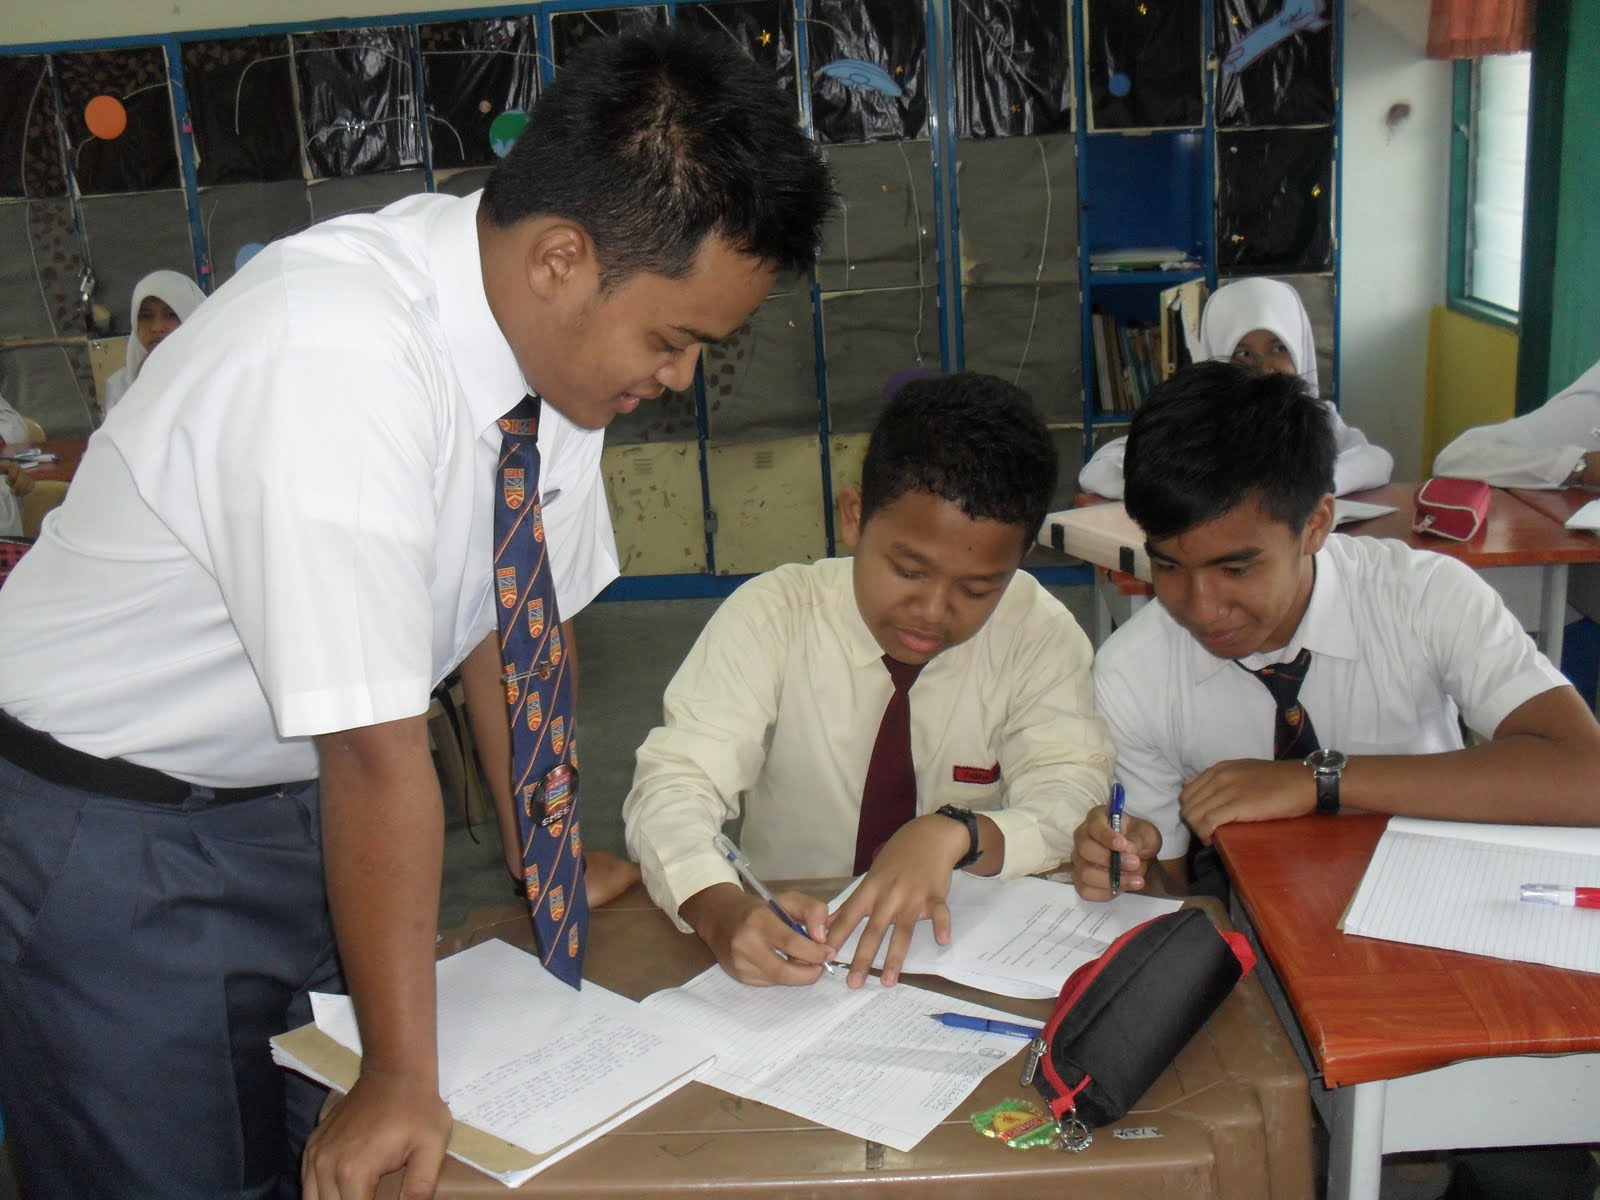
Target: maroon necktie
(889, 798)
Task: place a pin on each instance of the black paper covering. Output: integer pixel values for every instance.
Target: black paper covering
(1275, 200)
(30, 150)
(1154, 48)
(241, 99)
(357, 100)
(765, 28)
(472, 72)
(571, 29)
(1291, 84)
(1012, 71)
(881, 45)
(145, 156)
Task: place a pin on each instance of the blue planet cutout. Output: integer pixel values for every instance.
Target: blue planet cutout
(505, 129)
(1119, 84)
(855, 73)
(246, 252)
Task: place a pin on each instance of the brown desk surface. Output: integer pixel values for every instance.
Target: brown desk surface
(1233, 1111)
(1515, 535)
(1377, 1010)
(1557, 504)
(68, 452)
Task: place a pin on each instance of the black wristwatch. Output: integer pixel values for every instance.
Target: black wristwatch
(1326, 768)
(956, 813)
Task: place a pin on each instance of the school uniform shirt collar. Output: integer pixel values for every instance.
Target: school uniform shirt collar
(479, 353)
(1326, 628)
(861, 648)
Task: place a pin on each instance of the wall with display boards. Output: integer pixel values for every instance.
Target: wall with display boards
(974, 198)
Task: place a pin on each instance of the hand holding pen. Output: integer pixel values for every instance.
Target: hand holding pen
(1119, 798)
(741, 864)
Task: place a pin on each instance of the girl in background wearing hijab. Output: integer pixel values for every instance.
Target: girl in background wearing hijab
(162, 301)
(1261, 323)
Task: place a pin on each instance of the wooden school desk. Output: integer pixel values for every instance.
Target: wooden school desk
(68, 452)
(1233, 1114)
(1418, 1049)
(1518, 541)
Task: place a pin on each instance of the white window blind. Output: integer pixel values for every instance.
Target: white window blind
(1499, 174)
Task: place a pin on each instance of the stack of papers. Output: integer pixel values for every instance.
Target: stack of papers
(871, 1061)
(1016, 937)
(530, 1068)
(1456, 886)
(1587, 517)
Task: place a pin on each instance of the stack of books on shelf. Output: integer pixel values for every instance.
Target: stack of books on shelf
(1127, 359)
(1142, 258)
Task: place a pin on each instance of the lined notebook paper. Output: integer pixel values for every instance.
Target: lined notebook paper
(1455, 886)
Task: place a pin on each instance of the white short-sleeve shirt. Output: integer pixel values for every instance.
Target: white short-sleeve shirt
(285, 529)
(1402, 641)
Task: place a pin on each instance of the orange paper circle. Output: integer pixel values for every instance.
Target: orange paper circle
(105, 117)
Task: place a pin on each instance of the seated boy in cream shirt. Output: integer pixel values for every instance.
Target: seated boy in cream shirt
(781, 700)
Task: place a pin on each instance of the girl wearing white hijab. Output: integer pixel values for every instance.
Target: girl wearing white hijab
(1556, 445)
(162, 301)
(1261, 323)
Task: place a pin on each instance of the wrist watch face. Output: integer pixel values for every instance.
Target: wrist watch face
(1326, 761)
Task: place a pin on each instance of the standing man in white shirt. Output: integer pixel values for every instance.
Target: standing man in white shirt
(216, 664)
(1288, 670)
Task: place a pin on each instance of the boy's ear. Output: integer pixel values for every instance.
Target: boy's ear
(850, 515)
(1318, 525)
(556, 254)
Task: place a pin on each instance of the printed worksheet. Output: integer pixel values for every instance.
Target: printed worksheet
(1456, 886)
(871, 1062)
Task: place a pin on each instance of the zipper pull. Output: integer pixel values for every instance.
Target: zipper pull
(1030, 1068)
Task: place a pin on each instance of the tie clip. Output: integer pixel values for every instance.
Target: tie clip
(542, 670)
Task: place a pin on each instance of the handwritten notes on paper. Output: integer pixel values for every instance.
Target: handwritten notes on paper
(1016, 937)
(871, 1062)
(523, 1057)
(1455, 886)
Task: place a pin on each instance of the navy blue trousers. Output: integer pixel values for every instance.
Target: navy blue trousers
(147, 953)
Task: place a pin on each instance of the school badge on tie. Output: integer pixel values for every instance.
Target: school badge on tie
(538, 688)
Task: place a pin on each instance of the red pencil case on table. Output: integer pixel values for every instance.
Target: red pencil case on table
(1122, 1019)
(1451, 508)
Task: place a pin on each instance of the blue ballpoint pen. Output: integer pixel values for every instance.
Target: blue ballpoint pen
(1118, 799)
(741, 864)
(986, 1025)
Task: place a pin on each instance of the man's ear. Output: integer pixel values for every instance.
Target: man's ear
(555, 256)
(850, 515)
(1318, 525)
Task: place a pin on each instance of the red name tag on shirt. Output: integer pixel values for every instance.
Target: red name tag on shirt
(976, 774)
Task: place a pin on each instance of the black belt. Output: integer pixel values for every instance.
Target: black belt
(41, 755)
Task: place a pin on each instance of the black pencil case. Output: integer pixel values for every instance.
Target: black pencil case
(1122, 1019)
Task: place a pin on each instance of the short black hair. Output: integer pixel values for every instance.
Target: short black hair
(1216, 434)
(655, 139)
(968, 438)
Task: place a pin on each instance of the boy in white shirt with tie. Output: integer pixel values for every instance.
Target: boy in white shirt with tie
(1288, 669)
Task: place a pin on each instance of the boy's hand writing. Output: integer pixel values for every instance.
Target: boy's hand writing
(907, 883)
(1093, 844)
(751, 942)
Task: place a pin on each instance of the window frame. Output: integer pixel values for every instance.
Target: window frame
(1461, 129)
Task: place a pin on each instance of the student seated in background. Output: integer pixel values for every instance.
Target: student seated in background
(789, 698)
(162, 301)
(1288, 669)
(18, 483)
(1261, 323)
(1555, 446)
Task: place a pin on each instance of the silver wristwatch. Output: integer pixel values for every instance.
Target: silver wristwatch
(1327, 766)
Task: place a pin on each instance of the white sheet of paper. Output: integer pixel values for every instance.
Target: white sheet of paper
(529, 1059)
(1587, 517)
(1455, 886)
(1345, 511)
(1015, 937)
(870, 1061)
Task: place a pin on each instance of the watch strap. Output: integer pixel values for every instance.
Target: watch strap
(968, 818)
(1327, 791)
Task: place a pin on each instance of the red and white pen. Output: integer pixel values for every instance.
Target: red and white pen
(1558, 893)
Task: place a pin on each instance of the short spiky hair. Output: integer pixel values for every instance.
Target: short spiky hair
(971, 439)
(653, 140)
(1216, 434)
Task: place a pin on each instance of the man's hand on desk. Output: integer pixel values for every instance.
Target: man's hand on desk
(907, 883)
(1093, 844)
(1246, 789)
(749, 940)
(386, 1123)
